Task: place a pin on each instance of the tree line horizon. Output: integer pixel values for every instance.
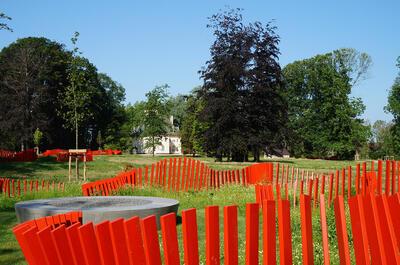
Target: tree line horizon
(247, 105)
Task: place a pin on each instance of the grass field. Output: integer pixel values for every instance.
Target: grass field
(107, 166)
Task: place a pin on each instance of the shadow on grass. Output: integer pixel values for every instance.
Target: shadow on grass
(30, 168)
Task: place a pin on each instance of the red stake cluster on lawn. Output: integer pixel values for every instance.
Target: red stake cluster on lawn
(63, 239)
(11, 187)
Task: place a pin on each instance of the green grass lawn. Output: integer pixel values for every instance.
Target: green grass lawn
(108, 166)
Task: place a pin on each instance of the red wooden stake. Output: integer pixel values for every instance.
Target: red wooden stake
(150, 240)
(324, 229)
(190, 238)
(212, 235)
(341, 232)
(306, 229)
(230, 235)
(269, 233)
(285, 233)
(252, 229)
(170, 239)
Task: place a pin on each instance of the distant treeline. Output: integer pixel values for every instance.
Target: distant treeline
(247, 105)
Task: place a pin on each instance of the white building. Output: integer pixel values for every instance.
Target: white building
(170, 144)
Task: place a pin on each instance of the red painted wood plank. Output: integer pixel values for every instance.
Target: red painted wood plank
(39, 255)
(341, 232)
(170, 239)
(387, 178)
(64, 249)
(330, 190)
(190, 237)
(212, 235)
(306, 229)
(337, 183)
(74, 242)
(358, 179)
(359, 230)
(379, 176)
(103, 236)
(393, 177)
(170, 167)
(25, 247)
(48, 246)
(178, 176)
(324, 230)
(119, 242)
(285, 233)
(375, 239)
(269, 233)
(150, 240)
(230, 235)
(88, 241)
(349, 172)
(252, 230)
(387, 230)
(135, 241)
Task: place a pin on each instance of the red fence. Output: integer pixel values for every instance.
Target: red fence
(375, 226)
(17, 187)
(174, 174)
(28, 155)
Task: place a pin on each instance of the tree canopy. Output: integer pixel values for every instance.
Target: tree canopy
(35, 82)
(242, 88)
(324, 121)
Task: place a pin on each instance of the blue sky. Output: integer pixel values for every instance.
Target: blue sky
(146, 43)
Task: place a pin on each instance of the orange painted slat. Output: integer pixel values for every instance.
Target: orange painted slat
(330, 189)
(393, 177)
(269, 233)
(337, 183)
(343, 181)
(25, 246)
(184, 175)
(135, 242)
(252, 230)
(88, 241)
(196, 178)
(387, 230)
(150, 240)
(387, 176)
(341, 232)
(285, 233)
(170, 239)
(359, 230)
(118, 239)
(375, 239)
(64, 249)
(103, 236)
(39, 254)
(324, 230)
(306, 229)
(379, 176)
(48, 246)
(358, 179)
(190, 237)
(212, 235)
(170, 167)
(178, 176)
(230, 235)
(74, 241)
(349, 172)
(394, 208)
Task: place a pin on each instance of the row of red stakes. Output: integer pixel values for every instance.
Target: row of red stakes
(375, 226)
(16, 187)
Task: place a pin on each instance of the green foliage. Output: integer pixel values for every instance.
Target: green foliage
(193, 129)
(155, 119)
(323, 120)
(381, 143)
(4, 25)
(32, 71)
(242, 88)
(393, 107)
(37, 137)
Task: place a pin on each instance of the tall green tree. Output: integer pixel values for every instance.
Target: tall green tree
(156, 114)
(32, 72)
(324, 121)
(77, 97)
(381, 143)
(242, 89)
(192, 128)
(393, 107)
